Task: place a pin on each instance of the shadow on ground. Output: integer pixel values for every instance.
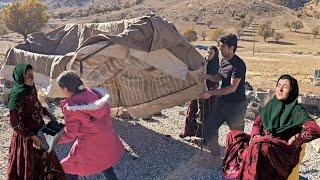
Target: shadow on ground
(281, 43)
(160, 156)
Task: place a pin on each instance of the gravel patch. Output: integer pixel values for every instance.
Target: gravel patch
(155, 151)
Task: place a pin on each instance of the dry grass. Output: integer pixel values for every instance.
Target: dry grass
(265, 69)
(272, 60)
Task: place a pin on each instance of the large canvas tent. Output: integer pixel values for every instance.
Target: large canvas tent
(144, 63)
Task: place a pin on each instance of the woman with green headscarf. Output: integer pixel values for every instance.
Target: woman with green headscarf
(273, 148)
(26, 159)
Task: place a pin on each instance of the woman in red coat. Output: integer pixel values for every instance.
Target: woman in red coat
(273, 148)
(26, 158)
(96, 146)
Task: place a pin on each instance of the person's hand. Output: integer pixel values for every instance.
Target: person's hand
(37, 143)
(205, 95)
(205, 77)
(292, 141)
(52, 117)
(254, 137)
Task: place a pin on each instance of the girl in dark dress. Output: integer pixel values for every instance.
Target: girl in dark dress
(27, 161)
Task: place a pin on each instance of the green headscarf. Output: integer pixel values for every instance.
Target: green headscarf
(278, 116)
(19, 89)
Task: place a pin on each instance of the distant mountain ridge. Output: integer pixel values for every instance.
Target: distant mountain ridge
(293, 4)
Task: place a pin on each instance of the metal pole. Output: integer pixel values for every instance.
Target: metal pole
(254, 42)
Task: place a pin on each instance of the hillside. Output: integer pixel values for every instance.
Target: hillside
(182, 12)
(188, 13)
(312, 9)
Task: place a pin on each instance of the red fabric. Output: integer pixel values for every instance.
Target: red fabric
(192, 128)
(310, 131)
(237, 141)
(257, 128)
(96, 147)
(24, 161)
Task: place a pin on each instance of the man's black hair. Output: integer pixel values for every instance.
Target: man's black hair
(230, 40)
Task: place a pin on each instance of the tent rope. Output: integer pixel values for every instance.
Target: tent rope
(202, 107)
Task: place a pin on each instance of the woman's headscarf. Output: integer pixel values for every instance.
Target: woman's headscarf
(19, 89)
(278, 116)
(213, 64)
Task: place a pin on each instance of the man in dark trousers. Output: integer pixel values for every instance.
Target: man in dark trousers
(231, 105)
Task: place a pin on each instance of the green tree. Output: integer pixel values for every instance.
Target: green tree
(265, 30)
(296, 25)
(25, 18)
(287, 25)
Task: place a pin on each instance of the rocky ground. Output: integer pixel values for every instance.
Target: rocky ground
(155, 151)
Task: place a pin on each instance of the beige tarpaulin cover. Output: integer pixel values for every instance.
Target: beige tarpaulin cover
(144, 63)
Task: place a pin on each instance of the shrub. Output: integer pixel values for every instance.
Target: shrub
(25, 18)
(216, 34)
(209, 23)
(190, 35)
(296, 25)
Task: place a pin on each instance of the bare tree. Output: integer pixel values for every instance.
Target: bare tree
(315, 31)
(265, 30)
(239, 32)
(209, 23)
(296, 25)
(203, 35)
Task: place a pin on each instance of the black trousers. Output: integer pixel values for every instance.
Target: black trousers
(108, 173)
(230, 112)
